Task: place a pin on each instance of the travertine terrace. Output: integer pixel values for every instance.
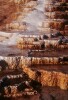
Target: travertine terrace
(34, 47)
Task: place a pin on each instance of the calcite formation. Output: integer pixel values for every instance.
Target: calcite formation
(49, 78)
(30, 42)
(56, 16)
(9, 11)
(34, 42)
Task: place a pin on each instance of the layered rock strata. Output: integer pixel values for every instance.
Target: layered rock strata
(49, 78)
(56, 13)
(36, 43)
(15, 61)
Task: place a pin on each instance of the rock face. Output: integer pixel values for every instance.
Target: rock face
(31, 43)
(4, 10)
(9, 10)
(49, 78)
(56, 18)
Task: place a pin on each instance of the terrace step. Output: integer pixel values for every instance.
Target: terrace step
(48, 78)
(34, 48)
(19, 61)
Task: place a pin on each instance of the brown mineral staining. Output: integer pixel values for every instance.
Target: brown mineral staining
(9, 10)
(50, 78)
(34, 49)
